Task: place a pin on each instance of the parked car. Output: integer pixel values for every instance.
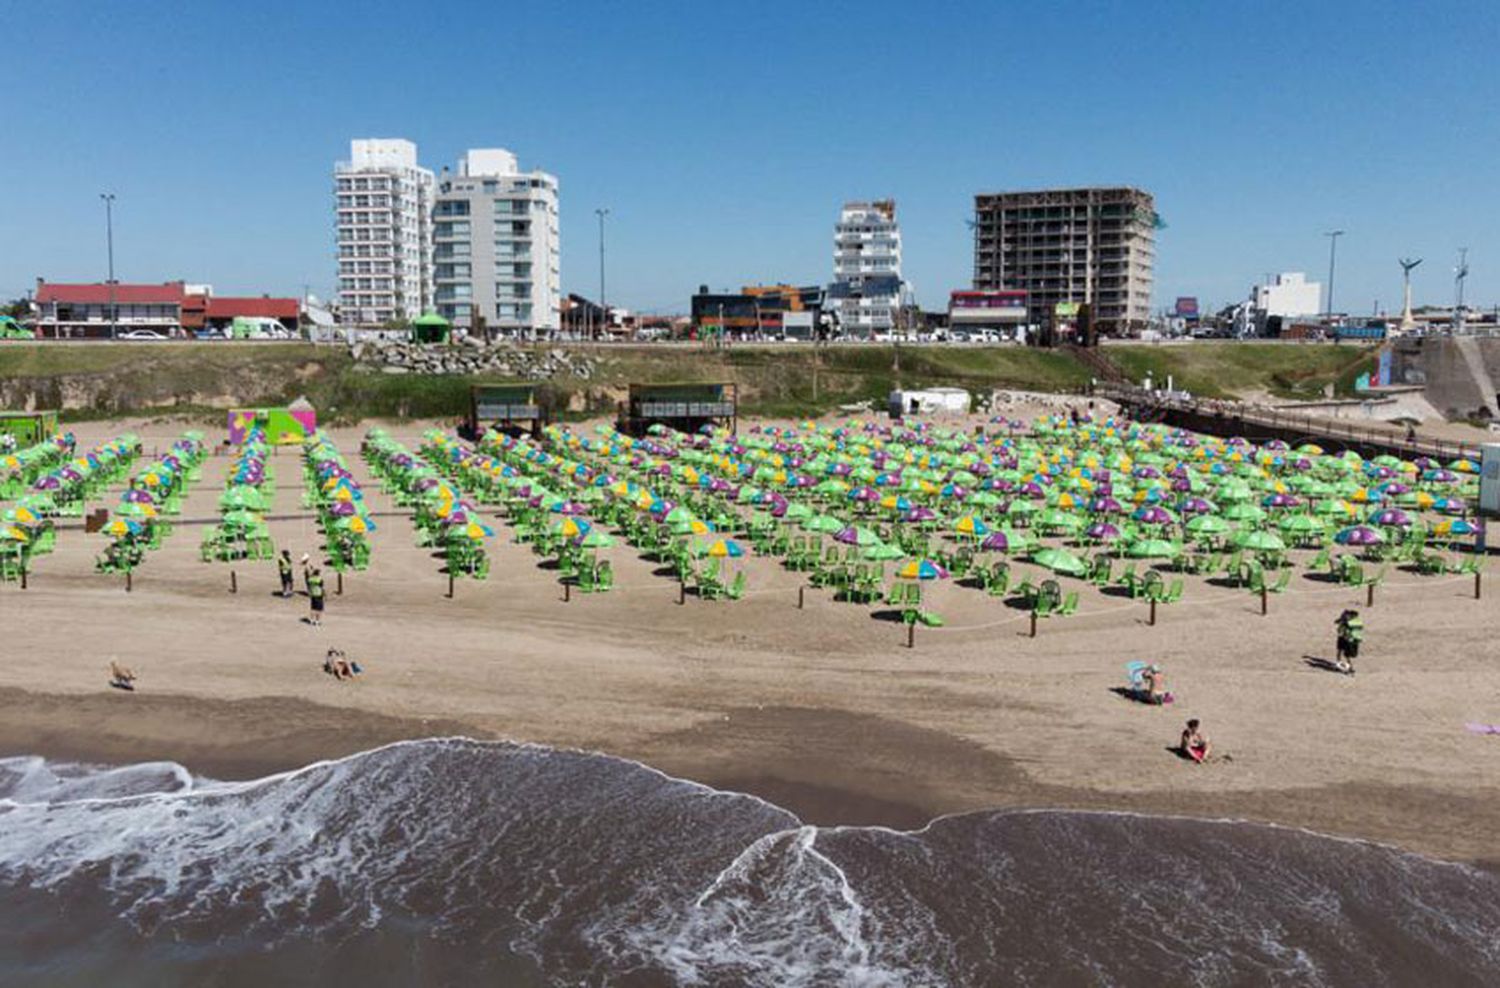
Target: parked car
(142, 334)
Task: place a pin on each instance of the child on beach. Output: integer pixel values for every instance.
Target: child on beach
(1195, 744)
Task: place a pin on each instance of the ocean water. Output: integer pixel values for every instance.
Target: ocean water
(454, 862)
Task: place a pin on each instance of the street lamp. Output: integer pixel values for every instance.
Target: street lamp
(603, 305)
(1333, 243)
(109, 238)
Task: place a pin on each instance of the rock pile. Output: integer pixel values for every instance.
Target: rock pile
(471, 356)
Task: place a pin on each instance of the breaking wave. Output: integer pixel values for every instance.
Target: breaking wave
(453, 861)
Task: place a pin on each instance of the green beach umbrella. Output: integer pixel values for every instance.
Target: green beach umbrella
(1059, 561)
(1259, 540)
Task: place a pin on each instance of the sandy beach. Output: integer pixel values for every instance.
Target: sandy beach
(821, 708)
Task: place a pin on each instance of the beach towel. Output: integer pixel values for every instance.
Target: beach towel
(1484, 728)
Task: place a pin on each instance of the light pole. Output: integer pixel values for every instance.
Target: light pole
(603, 305)
(109, 239)
(1333, 244)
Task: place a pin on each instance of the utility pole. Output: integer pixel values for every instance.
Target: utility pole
(1333, 243)
(109, 239)
(603, 305)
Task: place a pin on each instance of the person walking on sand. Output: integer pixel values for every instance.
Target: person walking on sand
(315, 597)
(1351, 630)
(284, 567)
(307, 572)
(1195, 744)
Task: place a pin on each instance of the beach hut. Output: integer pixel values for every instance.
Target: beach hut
(430, 327)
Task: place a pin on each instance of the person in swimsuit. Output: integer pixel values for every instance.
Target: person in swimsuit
(1155, 682)
(1195, 744)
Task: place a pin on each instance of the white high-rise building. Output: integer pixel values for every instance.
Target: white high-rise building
(496, 256)
(383, 207)
(867, 284)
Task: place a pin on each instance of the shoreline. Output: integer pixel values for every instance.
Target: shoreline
(242, 740)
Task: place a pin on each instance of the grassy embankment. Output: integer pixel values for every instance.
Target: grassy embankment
(194, 381)
(94, 381)
(1224, 370)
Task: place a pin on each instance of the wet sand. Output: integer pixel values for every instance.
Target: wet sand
(822, 709)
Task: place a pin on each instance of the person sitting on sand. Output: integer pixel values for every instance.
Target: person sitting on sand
(1154, 686)
(1195, 744)
(121, 677)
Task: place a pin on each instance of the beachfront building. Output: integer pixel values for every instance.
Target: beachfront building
(382, 218)
(1070, 247)
(1289, 296)
(867, 289)
(98, 310)
(496, 260)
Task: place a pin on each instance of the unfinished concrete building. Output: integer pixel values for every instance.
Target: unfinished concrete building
(1070, 246)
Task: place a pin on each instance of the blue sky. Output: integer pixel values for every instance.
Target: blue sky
(724, 137)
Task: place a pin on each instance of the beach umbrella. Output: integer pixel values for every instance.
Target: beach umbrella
(136, 509)
(1259, 540)
(1358, 535)
(881, 552)
(855, 535)
(1299, 525)
(691, 526)
(1152, 549)
(14, 533)
(971, 525)
(246, 519)
(1450, 505)
(594, 539)
(1243, 511)
(824, 524)
(1102, 531)
(921, 569)
(1450, 527)
(1195, 506)
(1207, 525)
(353, 523)
(1060, 561)
(1153, 514)
(121, 527)
(22, 515)
(570, 527)
(1390, 518)
(722, 549)
(995, 542)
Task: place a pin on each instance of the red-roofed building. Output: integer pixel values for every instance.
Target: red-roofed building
(84, 310)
